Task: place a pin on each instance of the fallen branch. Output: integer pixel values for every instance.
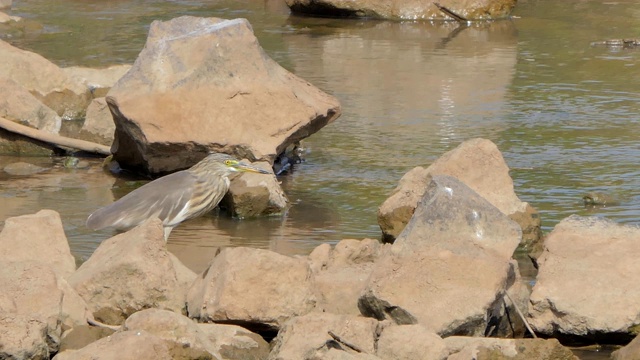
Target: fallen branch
(456, 17)
(53, 139)
(339, 340)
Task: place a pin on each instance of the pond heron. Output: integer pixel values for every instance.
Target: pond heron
(173, 198)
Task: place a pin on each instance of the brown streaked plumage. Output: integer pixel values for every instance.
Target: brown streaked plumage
(173, 198)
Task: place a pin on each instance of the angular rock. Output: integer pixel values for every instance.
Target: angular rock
(37, 300)
(22, 337)
(410, 342)
(583, 288)
(479, 164)
(44, 80)
(453, 216)
(252, 195)
(449, 268)
(130, 272)
(17, 104)
(341, 275)
(464, 348)
(199, 340)
(39, 238)
(307, 336)
(257, 288)
(99, 121)
(405, 9)
(98, 81)
(204, 84)
(126, 345)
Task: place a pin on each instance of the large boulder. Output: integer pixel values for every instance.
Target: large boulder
(448, 270)
(17, 104)
(479, 164)
(405, 9)
(40, 238)
(130, 272)
(39, 305)
(584, 288)
(199, 340)
(341, 274)
(311, 336)
(204, 84)
(44, 80)
(257, 288)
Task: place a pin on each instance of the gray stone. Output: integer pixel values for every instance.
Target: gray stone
(449, 268)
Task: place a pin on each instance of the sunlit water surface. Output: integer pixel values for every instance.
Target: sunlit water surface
(563, 113)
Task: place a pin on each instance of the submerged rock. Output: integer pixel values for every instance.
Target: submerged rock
(23, 169)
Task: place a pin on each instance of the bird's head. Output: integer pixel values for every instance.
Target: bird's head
(227, 164)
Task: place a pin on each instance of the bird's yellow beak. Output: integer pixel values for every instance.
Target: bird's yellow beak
(242, 167)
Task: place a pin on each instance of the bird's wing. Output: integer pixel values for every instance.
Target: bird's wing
(164, 198)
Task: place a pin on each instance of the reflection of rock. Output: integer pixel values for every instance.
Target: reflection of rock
(23, 169)
(405, 9)
(430, 91)
(204, 84)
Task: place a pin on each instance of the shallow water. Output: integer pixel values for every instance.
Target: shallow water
(563, 113)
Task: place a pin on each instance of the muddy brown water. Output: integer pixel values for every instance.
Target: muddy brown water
(564, 113)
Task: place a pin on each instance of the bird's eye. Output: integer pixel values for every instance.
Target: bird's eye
(228, 162)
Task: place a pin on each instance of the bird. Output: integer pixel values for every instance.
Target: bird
(173, 198)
